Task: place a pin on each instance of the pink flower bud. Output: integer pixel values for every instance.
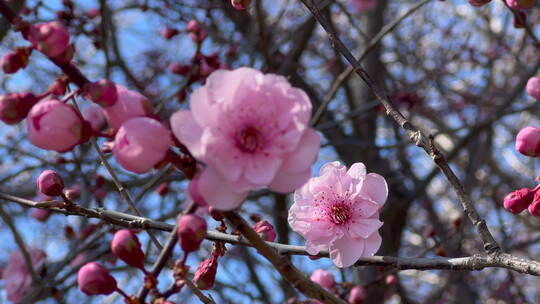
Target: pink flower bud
(129, 104)
(191, 232)
(479, 2)
(265, 230)
(94, 279)
(323, 278)
(519, 200)
(92, 13)
(528, 141)
(103, 92)
(390, 279)
(13, 61)
(196, 32)
(15, 107)
(179, 68)
(357, 296)
(126, 246)
(205, 275)
(73, 193)
(40, 214)
(520, 4)
(162, 189)
(168, 32)
(51, 38)
(50, 183)
(195, 194)
(95, 116)
(53, 125)
(141, 143)
(240, 4)
(533, 87)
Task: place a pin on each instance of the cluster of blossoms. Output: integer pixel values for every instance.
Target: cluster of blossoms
(528, 144)
(356, 293)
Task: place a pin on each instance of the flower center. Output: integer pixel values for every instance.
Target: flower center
(249, 140)
(340, 214)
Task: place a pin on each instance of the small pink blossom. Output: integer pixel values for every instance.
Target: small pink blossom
(265, 230)
(125, 245)
(357, 295)
(15, 107)
(95, 116)
(363, 5)
(40, 214)
(129, 104)
(141, 143)
(53, 125)
(339, 211)
(323, 278)
(252, 131)
(103, 92)
(528, 141)
(51, 38)
(533, 87)
(93, 279)
(17, 276)
(50, 183)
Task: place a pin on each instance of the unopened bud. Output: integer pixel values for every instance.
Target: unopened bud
(191, 232)
(50, 183)
(93, 279)
(357, 295)
(265, 230)
(205, 275)
(102, 92)
(126, 246)
(519, 200)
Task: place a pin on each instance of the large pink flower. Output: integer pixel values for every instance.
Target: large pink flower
(17, 277)
(252, 132)
(339, 211)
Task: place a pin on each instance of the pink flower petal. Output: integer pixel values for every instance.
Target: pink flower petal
(306, 153)
(375, 186)
(217, 192)
(372, 244)
(364, 227)
(187, 131)
(345, 251)
(285, 182)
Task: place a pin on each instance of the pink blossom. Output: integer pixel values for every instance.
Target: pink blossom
(265, 230)
(53, 125)
(103, 92)
(50, 183)
(520, 4)
(15, 107)
(323, 278)
(533, 87)
(528, 141)
(517, 201)
(17, 276)
(479, 2)
(141, 143)
(191, 231)
(252, 132)
(339, 211)
(79, 259)
(129, 104)
(95, 116)
(51, 38)
(125, 245)
(40, 214)
(363, 5)
(205, 275)
(93, 279)
(357, 295)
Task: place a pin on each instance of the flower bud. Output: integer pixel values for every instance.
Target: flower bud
(92, 13)
(15, 107)
(215, 214)
(94, 279)
(357, 295)
(390, 279)
(240, 4)
(519, 200)
(191, 232)
(95, 116)
(129, 104)
(533, 87)
(103, 92)
(126, 246)
(520, 4)
(205, 275)
(323, 278)
(196, 32)
(13, 61)
(265, 230)
(479, 2)
(54, 125)
(51, 38)
(73, 193)
(528, 141)
(195, 194)
(168, 32)
(50, 183)
(162, 189)
(141, 143)
(40, 214)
